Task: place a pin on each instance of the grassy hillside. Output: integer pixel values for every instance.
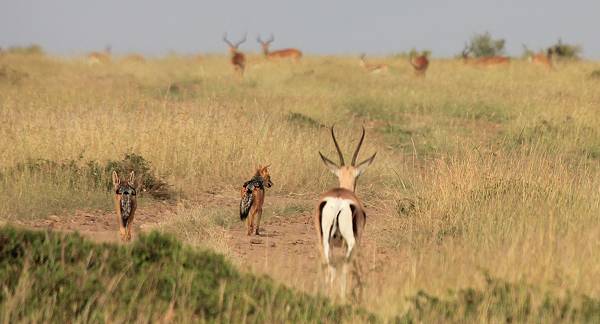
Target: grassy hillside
(50, 277)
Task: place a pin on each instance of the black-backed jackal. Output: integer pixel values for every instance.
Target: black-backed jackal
(253, 197)
(125, 203)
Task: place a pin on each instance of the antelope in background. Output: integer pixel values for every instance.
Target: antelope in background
(100, 57)
(339, 215)
(372, 68)
(125, 203)
(293, 53)
(543, 59)
(238, 59)
(486, 61)
(419, 63)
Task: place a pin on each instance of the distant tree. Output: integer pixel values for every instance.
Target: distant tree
(33, 49)
(484, 45)
(566, 51)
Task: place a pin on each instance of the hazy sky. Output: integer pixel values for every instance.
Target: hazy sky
(315, 26)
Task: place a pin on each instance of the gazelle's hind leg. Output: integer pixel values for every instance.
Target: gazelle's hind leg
(347, 231)
(328, 217)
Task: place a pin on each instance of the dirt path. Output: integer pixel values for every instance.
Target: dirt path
(286, 249)
(101, 226)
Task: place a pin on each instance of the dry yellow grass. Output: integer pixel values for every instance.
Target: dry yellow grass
(491, 170)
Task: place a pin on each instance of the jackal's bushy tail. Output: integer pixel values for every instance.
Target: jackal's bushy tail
(245, 204)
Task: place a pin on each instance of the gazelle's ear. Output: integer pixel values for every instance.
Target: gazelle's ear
(330, 165)
(131, 179)
(362, 166)
(115, 179)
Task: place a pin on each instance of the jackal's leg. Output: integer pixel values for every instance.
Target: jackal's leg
(128, 236)
(257, 221)
(250, 220)
(122, 232)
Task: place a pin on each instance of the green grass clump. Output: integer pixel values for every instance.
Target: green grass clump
(502, 302)
(595, 75)
(52, 277)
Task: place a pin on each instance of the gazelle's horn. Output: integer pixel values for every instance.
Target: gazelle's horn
(362, 137)
(337, 147)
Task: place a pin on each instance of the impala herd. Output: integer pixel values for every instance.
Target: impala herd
(419, 62)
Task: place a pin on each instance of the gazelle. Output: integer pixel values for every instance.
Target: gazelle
(543, 59)
(293, 53)
(100, 57)
(486, 61)
(419, 63)
(238, 59)
(339, 214)
(125, 203)
(372, 68)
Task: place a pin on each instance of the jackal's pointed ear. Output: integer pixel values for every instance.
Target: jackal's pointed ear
(115, 179)
(330, 165)
(131, 179)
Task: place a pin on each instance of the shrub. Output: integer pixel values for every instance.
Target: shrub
(11, 75)
(32, 49)
(484, 45)
(566, 51)
(93, 175)
(149, 182)
(303, 120)
(502, 302)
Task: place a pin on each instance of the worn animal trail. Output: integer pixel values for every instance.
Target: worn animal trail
(102, 226)
(286, 249)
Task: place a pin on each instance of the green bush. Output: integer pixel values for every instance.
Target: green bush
(94, 175)
(40, 187)
(11, 75)
(303, 120)
(502, 302)
(482, 45)
(149, 182)
(566, 51)
(32, 49)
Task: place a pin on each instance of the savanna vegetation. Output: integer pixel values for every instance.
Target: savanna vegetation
(485, 191)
